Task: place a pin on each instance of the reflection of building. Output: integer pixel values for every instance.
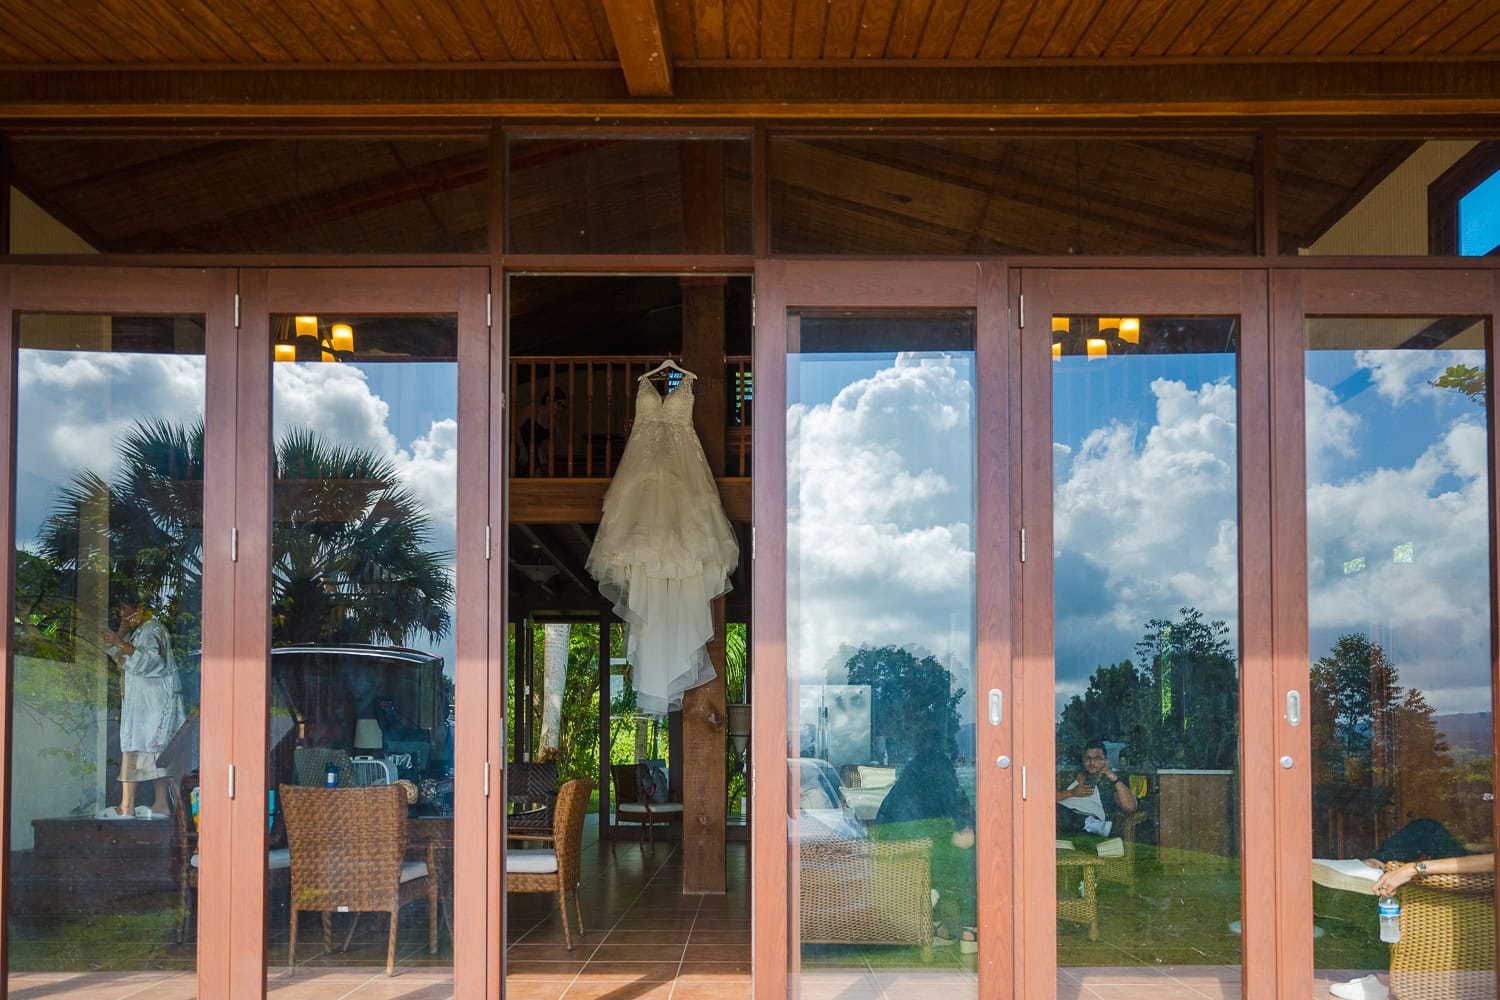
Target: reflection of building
(835, 723)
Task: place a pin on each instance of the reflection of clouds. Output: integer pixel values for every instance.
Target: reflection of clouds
(880, 514)
(74, 406)
(1402, 376)
(1431, 614)
(1146, 526)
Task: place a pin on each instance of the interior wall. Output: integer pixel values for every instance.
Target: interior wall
(1392, 218)
(32, 230)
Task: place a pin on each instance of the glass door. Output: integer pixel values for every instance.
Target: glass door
(882, 831)
(116, 583)
(1146, 633)
(374, 785)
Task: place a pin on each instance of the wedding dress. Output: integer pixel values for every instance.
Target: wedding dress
(664, 548)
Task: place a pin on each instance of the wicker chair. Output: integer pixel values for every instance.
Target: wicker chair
(185, 859)
(556, 870)
(1447, 946)
(631, 807)
(311, 765)
(347, 846)
(866, 892)
(531, 790)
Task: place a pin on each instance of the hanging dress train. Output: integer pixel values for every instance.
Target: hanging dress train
(664, 549)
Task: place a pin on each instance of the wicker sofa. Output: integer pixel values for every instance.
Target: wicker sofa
(1447, 946)
(866, 892)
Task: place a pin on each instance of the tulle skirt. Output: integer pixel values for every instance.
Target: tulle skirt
(664, 551)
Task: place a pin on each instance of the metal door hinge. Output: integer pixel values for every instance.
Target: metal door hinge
(752, 544)
(236, 310)
(234, 544)
(489, 308)
(1023, 544)
(231, 781)
(486, 779)
(1023, 782)
(486, 542)
(1022, 297)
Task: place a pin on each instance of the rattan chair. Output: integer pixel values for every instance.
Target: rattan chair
(631, 806)
(1447, 946)
(866, 892)
(531, 792)
(186, 859)
(556, 870)
(347, 850)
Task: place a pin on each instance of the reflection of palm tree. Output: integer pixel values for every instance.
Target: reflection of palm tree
(350, 544)
(349, 541)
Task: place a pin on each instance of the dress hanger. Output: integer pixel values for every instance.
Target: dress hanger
(669, 365)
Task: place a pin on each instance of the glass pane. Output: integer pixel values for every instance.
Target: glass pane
(1384, 197)
(362, 694)
(1398, 564)
(1145, 498)
(575, 194)
(250, 196)
(880, 651)
(983, 195)
(108, 633)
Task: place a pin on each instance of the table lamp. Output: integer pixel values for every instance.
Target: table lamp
(367, 736)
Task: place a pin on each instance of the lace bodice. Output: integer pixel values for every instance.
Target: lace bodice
(676, 407)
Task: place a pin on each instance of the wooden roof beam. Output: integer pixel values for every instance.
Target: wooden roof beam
(641, 41)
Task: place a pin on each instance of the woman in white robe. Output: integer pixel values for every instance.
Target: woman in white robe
(151, 707)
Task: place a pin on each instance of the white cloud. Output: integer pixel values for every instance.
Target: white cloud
(1157, 517)
(1431, 613)
(880, 516)
(335, 401)
(1402, 376)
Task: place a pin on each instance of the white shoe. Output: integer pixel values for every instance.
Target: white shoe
(1363, 988)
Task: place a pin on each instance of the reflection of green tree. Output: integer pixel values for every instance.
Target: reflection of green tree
(1465, 379)
(1180, 708)
(913, 706)
(1367, 730)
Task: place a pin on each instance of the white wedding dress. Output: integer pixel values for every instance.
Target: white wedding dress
(664, 548)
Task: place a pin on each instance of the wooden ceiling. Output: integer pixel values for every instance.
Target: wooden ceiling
(741, 57)
(433, 32)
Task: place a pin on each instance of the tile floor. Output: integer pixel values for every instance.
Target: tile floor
(645, 941)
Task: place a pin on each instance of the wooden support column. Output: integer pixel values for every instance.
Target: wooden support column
(703, 711)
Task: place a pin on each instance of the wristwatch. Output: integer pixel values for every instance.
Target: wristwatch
(1421, 868)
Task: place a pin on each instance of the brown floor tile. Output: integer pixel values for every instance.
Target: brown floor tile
(524, 990)
(717, 952)
(637, 951)
(654, 971)
(614, 989)
(628, 934)
(400, 988)
(551, 971)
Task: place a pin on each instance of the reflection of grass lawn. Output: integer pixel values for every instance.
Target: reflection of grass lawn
(1181, 913)
(99, 942)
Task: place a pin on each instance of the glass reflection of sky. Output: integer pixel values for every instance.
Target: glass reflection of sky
(1479, 218)
(881, 508)
(1398, 518)
(1144, 473)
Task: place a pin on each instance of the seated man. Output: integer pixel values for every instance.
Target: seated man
(1095, 798)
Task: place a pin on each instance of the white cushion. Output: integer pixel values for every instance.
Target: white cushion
(531, 862)
(876, 777)
(666, 807)
(412, 870)
(280, 858)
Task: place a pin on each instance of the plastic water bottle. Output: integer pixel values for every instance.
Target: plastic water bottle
(1389, 910)
(331, 775)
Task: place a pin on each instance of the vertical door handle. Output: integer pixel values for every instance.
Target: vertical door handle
(997, 702)
(1293, 707)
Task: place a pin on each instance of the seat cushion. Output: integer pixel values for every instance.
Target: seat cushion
(276, 860)
(531, 862)
(413, 870)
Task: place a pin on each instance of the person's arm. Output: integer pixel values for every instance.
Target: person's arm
(1124, 797)
(1394, 879)
(1081, 789)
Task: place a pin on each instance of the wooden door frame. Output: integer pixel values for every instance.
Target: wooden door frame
(1344, 291)
(146, 291)
(476, 853)
(1264, 792)
(783, 286)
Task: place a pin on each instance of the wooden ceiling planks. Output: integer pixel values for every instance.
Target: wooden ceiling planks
(709, 29)
(943, 21)
(809, 18)
(1041, 25)
(840, 29)
(1073, 27)
(1102, 29)
(908, 24)
(1304, 22)
(515, 30)
(776, 24)
(330, 24)
(1466, 25)
(1009, 20)
(1200, 29)
(1325, 32)
(640, 39)
(874, 28)
(541, 15)
(286, 35)
(578, 27)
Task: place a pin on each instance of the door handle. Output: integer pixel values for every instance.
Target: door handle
(1293, 708)
(997, 703)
